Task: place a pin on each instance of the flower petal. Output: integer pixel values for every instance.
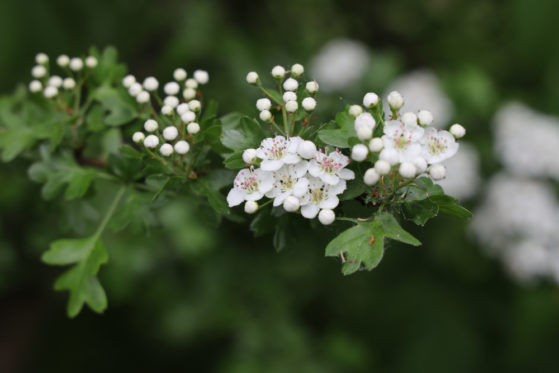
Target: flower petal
(235, 197)
(309, 211)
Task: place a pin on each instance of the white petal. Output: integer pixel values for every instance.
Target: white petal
(290, 158)
(254, 196)
(301, 187)
(301, 168)
(235, 197)
(271, 165)
(314, 169)
(346, 174)
(330, 179)
(330, 203)
(309, 211)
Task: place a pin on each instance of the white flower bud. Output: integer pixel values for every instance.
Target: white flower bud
(265, 115)
(309, 103)
(251, 207)
(263, 104)
(171, 88)
(151, 141)
(306, 149)
(409, 119)
(91, 62)
(41, 58)
(382, 167)
(290, 84)
(193, 128)
(457, 130)
(395, 100)
(166, 150)
(370, 99)
(355, 110)
(182, 147)
(376, 145)
(188, 116)
(191, 83)
(312, 87)
(182, 108)
(371, 177)
(194, 105)
(50, 91)
(150, 125)
(252, 77)
(201, 76)
(55, 81)
(437, 171)
(170, 133)
(364, 133)
(407, 170)
(179, 75)
(38, 71)
(326, 216)
(364, 120)
(150, 84)
(278, 72)
(134, 89)
(291, 204)
(291, 106)
(138, 137)
(420, 164)
(249, 155)
(189, 93)
(425, 117)
(297, 70)
(359, 152)
(128, 80)
(289, 96)
(76, 64)
(63, 60)
(69, 83)
(390, 155)
(142, 97)
(35, 86)
(171, 101)
(166, 110)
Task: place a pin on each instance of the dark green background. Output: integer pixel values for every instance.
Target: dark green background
(189, 297)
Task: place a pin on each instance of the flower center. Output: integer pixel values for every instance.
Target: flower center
(437, 145)
(286, 183)
(249, 184)
(330, 166)
(401, 143)
(317, 195)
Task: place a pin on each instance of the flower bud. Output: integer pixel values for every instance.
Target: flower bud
(63, 60)
(370, 100)
(151, 141)
(395, 100)
(38, 71)
(171, 101)
(252, 77)
(278, 72)
(376, 145)
(189, 93)
(265, 115)
(437, 171)
(312, 87)
(309, 103)
(179, 74)
(128, 80)
(35, 86)
(201, 76)
(150, 84)
(135, 89)
(291, 204)
(91, 62)
(382, 167)
(150, 125)
(249, 155)
(289, 96)
(457, 130)
(359, 152)
(171, 88)
(297, 70)
(306, 149)
(364, 133)
(425, 118)
(291, 106)
(420, 164)
(290, 84)
(170, 133)
(355, 110)
(371, 177)
(188, 117)
(326, 216)
(182, 147)
(263, 104)
(409, 119)
(55, 81)
(50, 91)
(41, 58)
(138, 137)
(191, 83)
(166, 110)
(251, 207)
(166, 150)
(142, 97)
(407, 170)
(194, 105)
(390, 155)
(69, 83)
(182, 108)
(76, 64)
(193, 128)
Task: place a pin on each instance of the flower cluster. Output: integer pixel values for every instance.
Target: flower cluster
(51, 85)
(174, 119)
(295, 175)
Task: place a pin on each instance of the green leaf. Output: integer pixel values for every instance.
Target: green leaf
(209, 114)
(449, 206)
(420, 211)
(119, 109)
(235, 161)
(216, 200)
(79, 183)
(127, 164)
(338, 138)
(393, 230)
(354, 189)
(263, 223)
(249, 134)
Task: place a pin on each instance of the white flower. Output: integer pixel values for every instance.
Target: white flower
(252, 77)
(41, 58)
(355, 110)
(38, 71)
(249, 155)
(289, 181)
(291, 204)
(170, 133)
(166, 150)
(320, 195)
(376, 145)
(382, 167)
(330, 168)
(55, 81)
(135, 89)
(278, 72)
(76, 64)
(405, 139)
(438, 145)
(395, 100)
(277, 151)
(371, 177)
(166, 110)
(306, 149)
(171, 101)
(265, 115)
(35, 86)
(437, 171)
(309, 103)
(326, 216)
(182, 147)
(297, 70)
(370, 99)
(171, 88)
(201, 76)
(63, 60)
(193, 128)
(250, 185)
(188, 116)
(151, 141)
(263, 104)
(408, 119)
(251, 207)
(91, 62)
(182, 108)
(191, 83)
(457, 131)
(359, 152)
(312, 87)
(189, 93)
(364, 120)
(142, 97)
(407, 170)
(194, 105)
(291, 106)
(150, 125)
(138, 137)
(69, 83)
(290, 84)
(425, 118)
(289, 96)
(50, 92)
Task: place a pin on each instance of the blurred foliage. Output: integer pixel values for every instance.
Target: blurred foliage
(221, 300)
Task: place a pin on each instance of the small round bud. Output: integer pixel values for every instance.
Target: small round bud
(128, 80)
(35, 86)
(425, 118)
(166, 110)
(194, 105)
(69, 83)
(249, 155)
(170, 133)
(306, 149)
(50, 91)
(201, 76)
(355, 110)
(290, 84)
(382, 167)
(171, 101)
(191, 83)
(138, 137)
(63, 60)
(166, 150)
(150, 84)
(265, 115)
(193, 128)
(182, 147)
(171, 88)
(359, 152)
(251, 207)
(407, 170)
(370, 100)
(278, 72)
(182, 108)
(291, 204)
(364, 133)
(326, 216)
(309, 103)
(151, 141)
(38, 71)
(179, 75)
(408, 118)
(390, 155)
(252, 77)
(189, 93)
(312, 87)
(364, 120)
(289, 96)
(91, 62)
(41, 58)
(437, 171)
(297, 70)
(371, 177)
(150, 125)
(55, 81)
(291, 106)
(142, 97)
(420, 164)
(188, 116)
(263, 104)
(76, 64)
(135, 89)
(395, 100)
(457, 130)
(376, 145)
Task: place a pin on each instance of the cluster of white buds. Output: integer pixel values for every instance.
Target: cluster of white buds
(408, 143)
(51, 85)
(167, 139)
(295, 175)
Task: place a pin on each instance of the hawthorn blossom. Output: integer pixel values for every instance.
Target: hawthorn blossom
(438, 145)
(330, 168)
(277, 151)
(289, 181)
(404, 139)
(250, 185)
(320, 195)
